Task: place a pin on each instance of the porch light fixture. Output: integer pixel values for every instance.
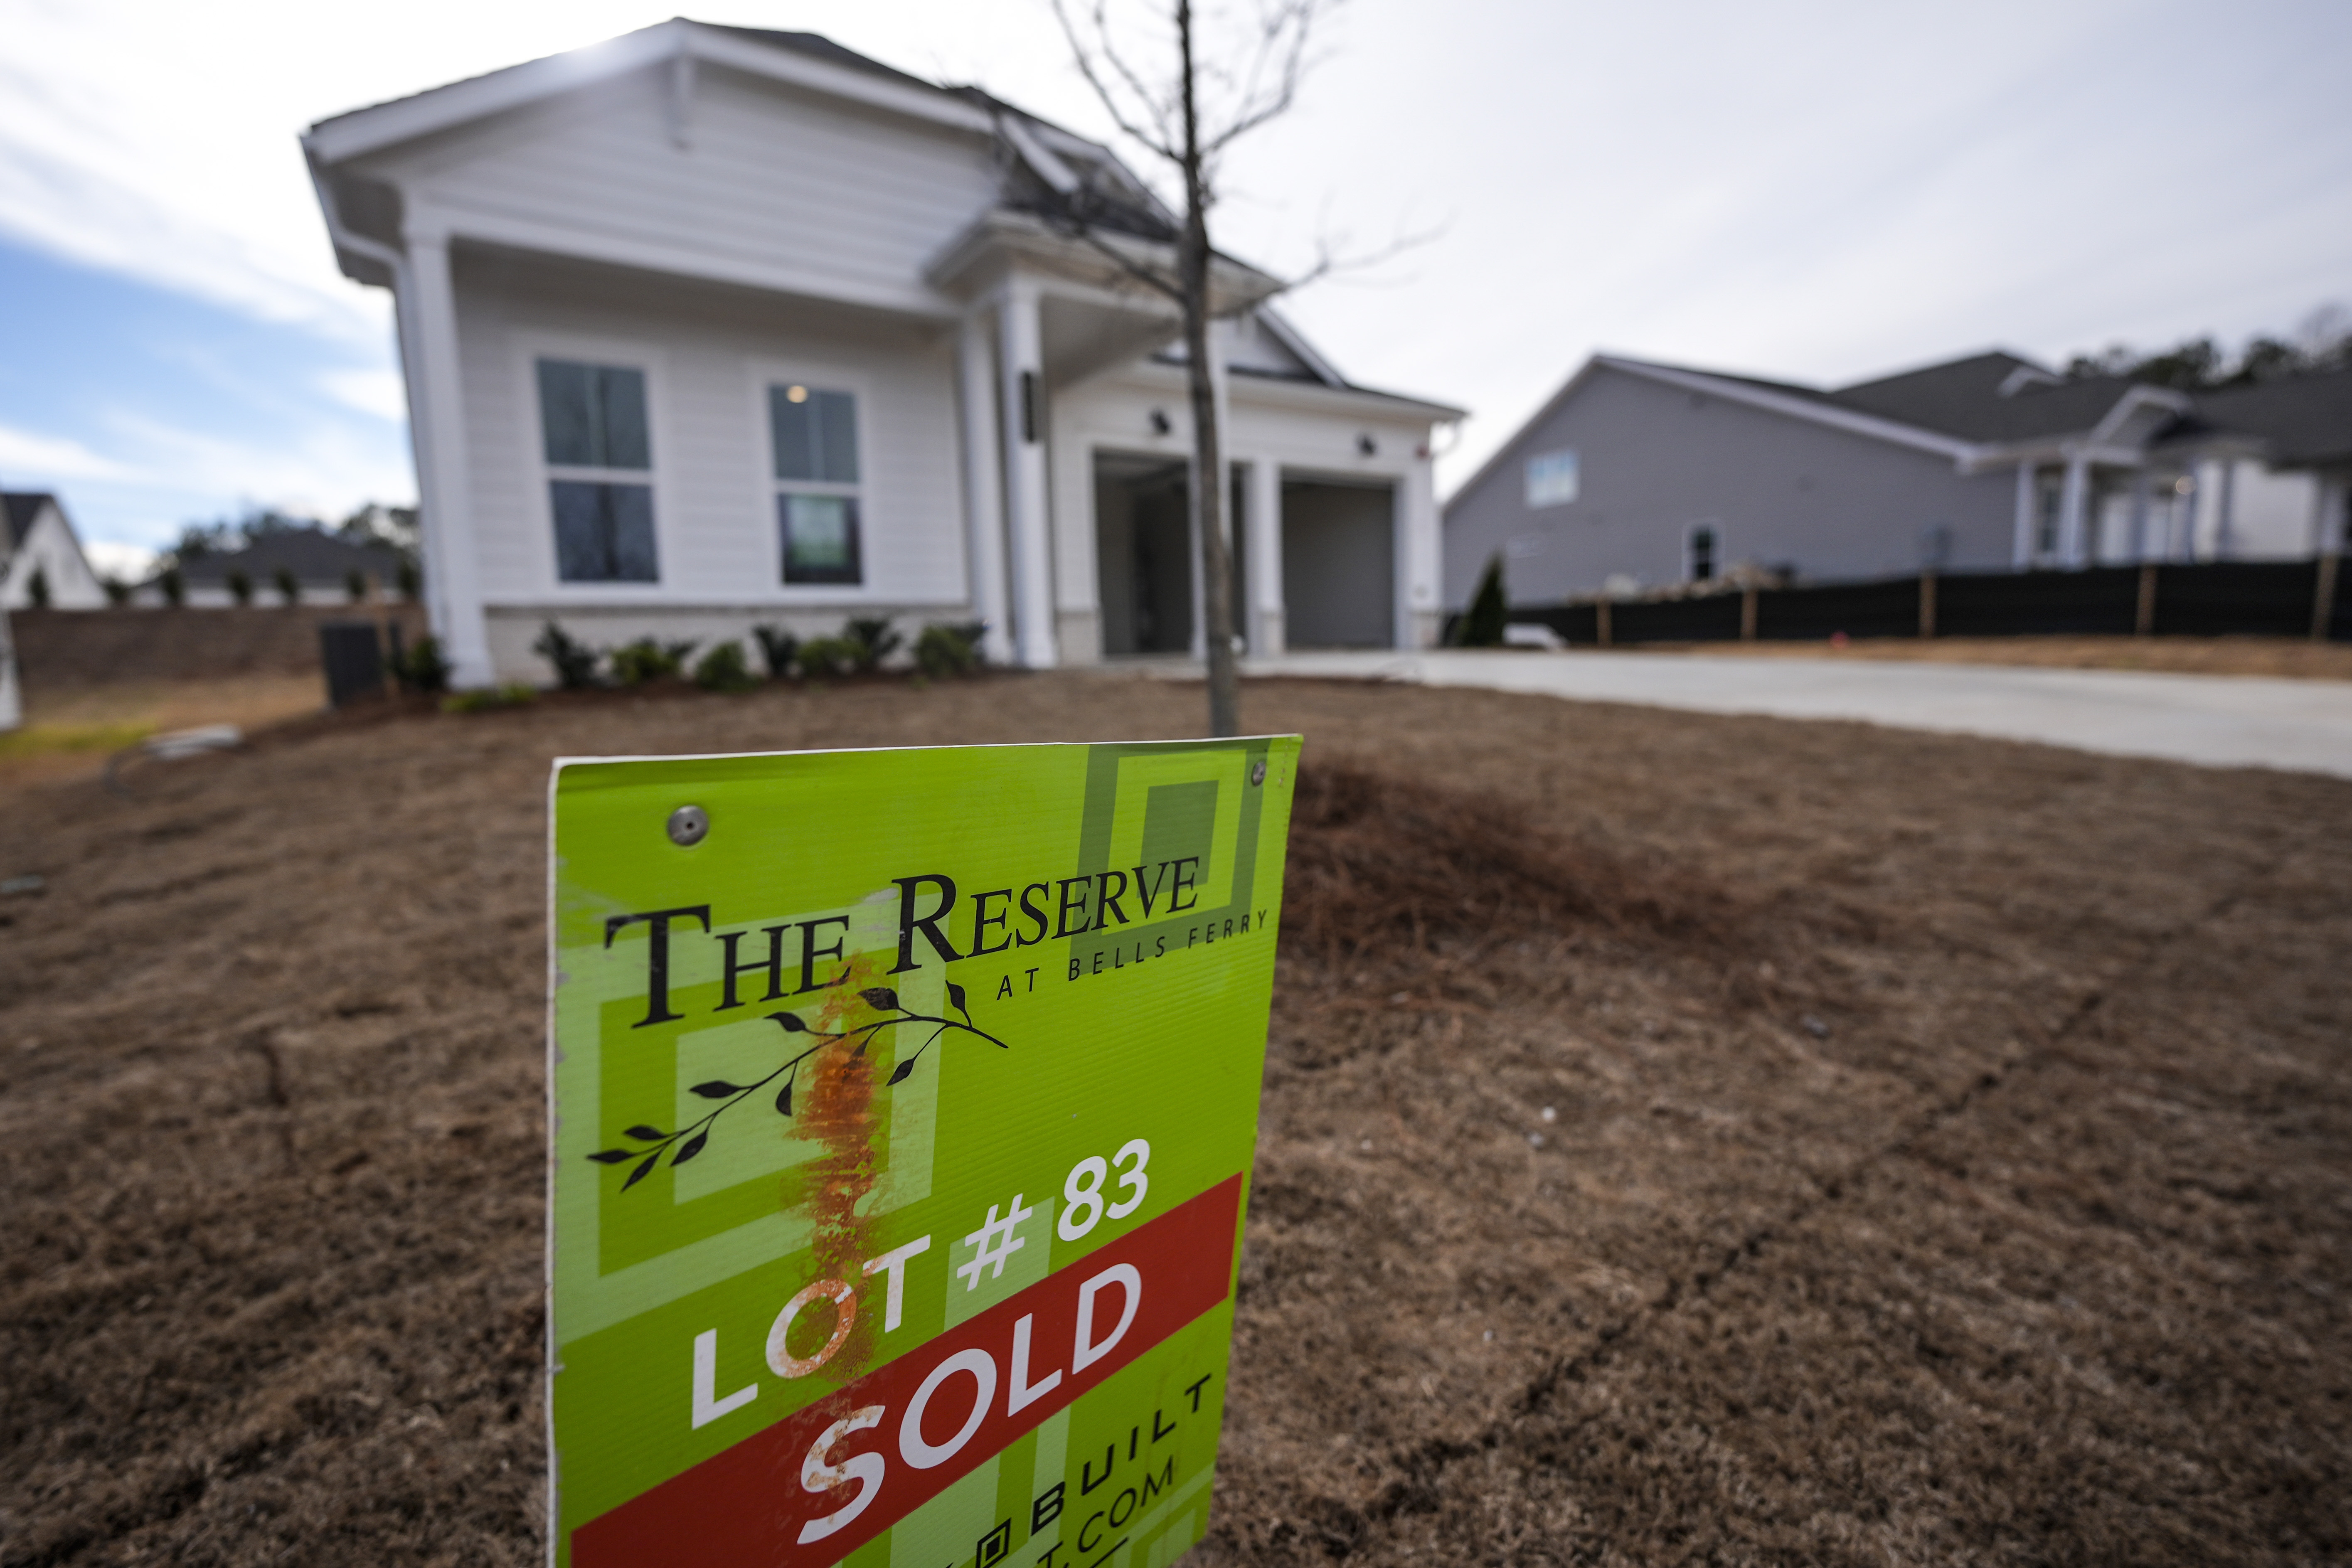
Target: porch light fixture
(796, 395)
(1366, 447)
(1160, 425)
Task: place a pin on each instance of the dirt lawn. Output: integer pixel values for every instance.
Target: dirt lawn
(2290, 657)
(1823, 1145)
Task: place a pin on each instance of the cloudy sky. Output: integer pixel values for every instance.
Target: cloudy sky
(1814, 189)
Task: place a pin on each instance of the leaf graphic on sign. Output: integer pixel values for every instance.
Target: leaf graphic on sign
(689, 1141)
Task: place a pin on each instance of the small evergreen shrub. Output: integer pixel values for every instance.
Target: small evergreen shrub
(37, 590)
(648, 660)
(289, 590)
(943, 651)
(425, 668)
(574, 661)
(872, 641)
(778, 649)
(1489, 612)
(240, 588)
(821, 657)
(354, 585)
(411, 584)
(724, 669)
(175, 587)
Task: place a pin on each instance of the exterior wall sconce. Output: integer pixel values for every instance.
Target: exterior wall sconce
(1366, 447)
(1160, 425)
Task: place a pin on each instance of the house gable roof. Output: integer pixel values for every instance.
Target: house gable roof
(19, 509)
(2300, 421)
(315, 557)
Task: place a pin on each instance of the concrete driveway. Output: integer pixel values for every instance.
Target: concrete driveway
(2220, 721)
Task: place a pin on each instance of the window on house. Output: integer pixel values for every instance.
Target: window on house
(1702, 553)
(814, 434)
(600, 471)
(1551, 479)
(2052, 499)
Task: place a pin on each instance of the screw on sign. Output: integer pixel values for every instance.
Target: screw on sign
(901, 1137)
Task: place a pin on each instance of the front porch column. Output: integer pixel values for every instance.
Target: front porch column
(1267, 633)
(452, 576)
(1020, 359)
(984, 482)
(2072, 502)
(2142, 503)
(2020, 549)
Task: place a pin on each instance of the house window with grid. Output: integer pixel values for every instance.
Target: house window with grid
(813, 432)
(600, 471)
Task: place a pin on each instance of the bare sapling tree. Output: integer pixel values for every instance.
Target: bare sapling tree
(1188, 116)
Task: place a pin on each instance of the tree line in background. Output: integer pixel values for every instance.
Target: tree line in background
(2324, 341)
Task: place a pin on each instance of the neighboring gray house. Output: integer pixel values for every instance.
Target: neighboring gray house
(37, 541)
(1638, 476)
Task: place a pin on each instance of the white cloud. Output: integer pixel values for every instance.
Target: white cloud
(27, 456)
(125, 562)
(377, 392)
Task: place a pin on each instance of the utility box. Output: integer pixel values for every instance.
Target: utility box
(352, 659)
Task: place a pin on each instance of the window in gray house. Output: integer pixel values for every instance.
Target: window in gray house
(1551, 479)
(813, 432)
(600, 471)
(1702, 553)
(2052, 500)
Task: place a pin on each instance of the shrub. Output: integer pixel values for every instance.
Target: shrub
(424, 668)
(1482, 626)
(240, 588)
(724, 669)
(37, 590)
(574, 661)
(175, 587)
(647, 659)
(289, 590)
(411, 584)
(514, 694)
(871, 641)
(354, 585)
(828, 655)
(943, 651)
(118, 591)
(778, 648)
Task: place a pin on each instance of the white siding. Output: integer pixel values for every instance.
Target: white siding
(708, 352)
(770, 178)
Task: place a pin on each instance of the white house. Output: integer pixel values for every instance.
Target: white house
(707, 326)
(37, 542)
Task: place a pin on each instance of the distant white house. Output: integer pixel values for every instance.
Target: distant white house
(1637, 475)
(707, 326)
(40, 556)
(323, 568)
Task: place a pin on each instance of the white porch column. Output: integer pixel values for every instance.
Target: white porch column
(444, 514)
(2142, 502)
(1020, 359)
(2071, 507)
(2020, 550)
(984, 482)
(2225, 522)
(1268, 633)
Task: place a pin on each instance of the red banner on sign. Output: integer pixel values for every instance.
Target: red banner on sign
(816, 1486)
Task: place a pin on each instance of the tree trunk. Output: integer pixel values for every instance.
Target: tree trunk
(1209, 482)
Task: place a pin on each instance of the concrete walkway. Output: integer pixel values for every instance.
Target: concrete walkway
(2220, 721)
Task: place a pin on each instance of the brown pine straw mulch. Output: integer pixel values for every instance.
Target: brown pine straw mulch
(1686, 1139)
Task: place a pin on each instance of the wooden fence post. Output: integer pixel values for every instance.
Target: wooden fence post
(2323, 597)
(1747, 613)
(2143, 615)
(1926, 604)
(1601, 620)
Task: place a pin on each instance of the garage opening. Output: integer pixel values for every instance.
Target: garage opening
(1143, 553)
(1338, 564)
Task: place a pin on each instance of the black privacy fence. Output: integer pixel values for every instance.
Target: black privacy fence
(2217, 598)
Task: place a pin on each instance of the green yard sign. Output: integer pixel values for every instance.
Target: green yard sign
(904, 1103)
